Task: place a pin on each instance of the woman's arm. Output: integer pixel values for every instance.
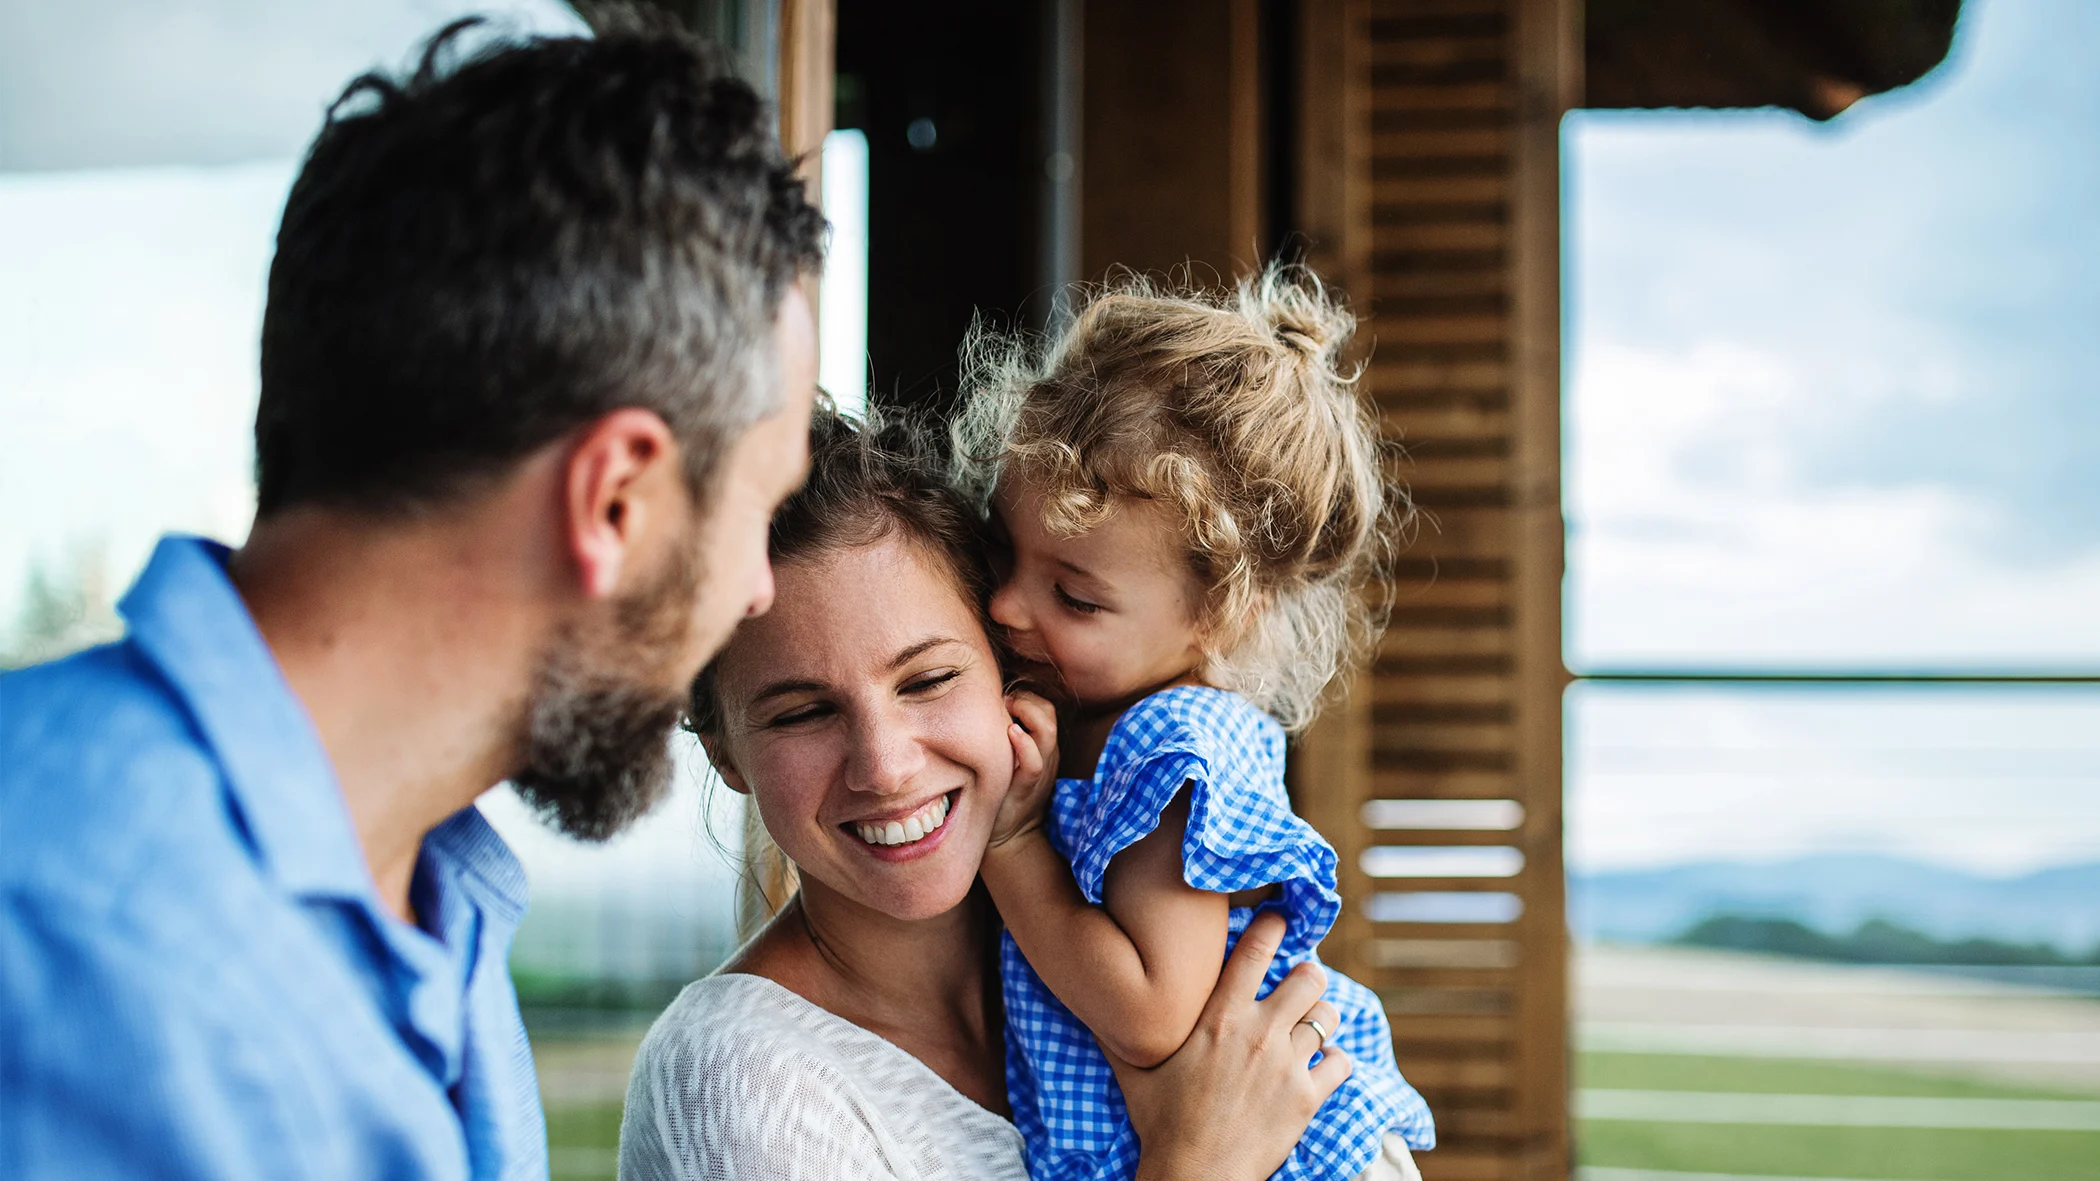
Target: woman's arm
(1136, 970)
(1233, 1101)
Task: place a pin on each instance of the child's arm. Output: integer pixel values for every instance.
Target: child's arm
(1136, 970)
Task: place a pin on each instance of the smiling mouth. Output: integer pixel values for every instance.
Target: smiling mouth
(913, 828)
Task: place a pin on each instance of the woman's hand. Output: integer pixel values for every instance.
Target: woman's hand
(1033, 733)
(1233, 1101)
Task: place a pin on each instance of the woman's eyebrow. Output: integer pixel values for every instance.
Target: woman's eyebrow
(912, 652)
(783, 688)
(909, 653)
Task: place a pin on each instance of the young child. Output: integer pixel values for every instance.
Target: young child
(1194, 499)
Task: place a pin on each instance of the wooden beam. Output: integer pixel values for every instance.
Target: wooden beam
(808, 30)
(1545, 53)
(1171, 122)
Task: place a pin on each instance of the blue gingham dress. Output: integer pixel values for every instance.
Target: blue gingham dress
(1241, 835)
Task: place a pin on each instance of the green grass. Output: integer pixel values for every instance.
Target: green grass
(1891, 1154)
(1883, 1154)
(1786, 1076)
(582, 1141)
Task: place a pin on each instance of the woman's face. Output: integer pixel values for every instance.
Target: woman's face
(865, 715)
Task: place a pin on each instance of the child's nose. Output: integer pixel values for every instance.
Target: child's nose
(1006, 609)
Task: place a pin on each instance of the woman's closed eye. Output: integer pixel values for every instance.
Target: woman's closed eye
(926, 683)
(806, 712)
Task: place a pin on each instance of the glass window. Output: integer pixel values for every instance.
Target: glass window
(1830, 413)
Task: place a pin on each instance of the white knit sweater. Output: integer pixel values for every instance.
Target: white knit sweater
(742, 1080)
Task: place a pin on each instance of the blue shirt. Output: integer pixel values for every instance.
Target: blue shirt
(197, 976)
(1228, 757)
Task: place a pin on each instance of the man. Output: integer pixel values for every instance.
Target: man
(536, 369)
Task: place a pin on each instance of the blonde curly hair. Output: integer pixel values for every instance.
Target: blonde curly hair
(1234, 409)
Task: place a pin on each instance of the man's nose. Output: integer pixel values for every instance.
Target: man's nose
(762, 593)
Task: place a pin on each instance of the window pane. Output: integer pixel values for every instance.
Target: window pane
(1831, 387)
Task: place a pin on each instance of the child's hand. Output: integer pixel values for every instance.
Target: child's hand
(1033, 733)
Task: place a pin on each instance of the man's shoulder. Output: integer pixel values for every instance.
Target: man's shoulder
(104, 780)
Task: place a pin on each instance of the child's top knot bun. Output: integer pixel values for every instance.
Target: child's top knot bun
(1234, 408)
(1304, 318)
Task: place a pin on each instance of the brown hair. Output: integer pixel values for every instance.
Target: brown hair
(867, 482)
(1232, 408)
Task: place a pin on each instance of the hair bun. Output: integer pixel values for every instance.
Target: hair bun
(1298, 310)
(1305, 340)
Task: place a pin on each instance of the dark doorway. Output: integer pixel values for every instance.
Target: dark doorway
(946, 92)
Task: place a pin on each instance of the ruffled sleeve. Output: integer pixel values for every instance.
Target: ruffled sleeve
(1241, 835)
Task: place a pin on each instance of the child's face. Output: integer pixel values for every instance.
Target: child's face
(1115, 609)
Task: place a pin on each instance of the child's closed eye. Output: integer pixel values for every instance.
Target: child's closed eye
(1076, 604)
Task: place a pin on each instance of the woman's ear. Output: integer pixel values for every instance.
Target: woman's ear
(724, 765)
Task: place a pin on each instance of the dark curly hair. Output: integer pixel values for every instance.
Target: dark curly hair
(513, 241)
(868, 482)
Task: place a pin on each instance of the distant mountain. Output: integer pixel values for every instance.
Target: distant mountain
(1835, 894)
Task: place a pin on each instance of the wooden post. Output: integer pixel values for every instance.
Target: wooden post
(1545, 54)
(808, 30)
(1170, 128)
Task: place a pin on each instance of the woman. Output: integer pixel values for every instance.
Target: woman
(860, 1034)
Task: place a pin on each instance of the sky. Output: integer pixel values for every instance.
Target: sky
(92, 84)
(1831, 405)
(1829, 391)
(1832, 389)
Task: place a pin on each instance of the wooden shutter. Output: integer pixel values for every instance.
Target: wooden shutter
(1429, 184)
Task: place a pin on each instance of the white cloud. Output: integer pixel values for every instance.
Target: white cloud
(1989, 780)
(1831, 405)
(1698, 539)
(125, 83)
(129, 324)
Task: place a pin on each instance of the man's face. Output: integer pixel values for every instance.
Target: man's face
(765, 465)
(609, 692)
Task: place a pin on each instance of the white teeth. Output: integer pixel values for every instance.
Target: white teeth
(916, 827)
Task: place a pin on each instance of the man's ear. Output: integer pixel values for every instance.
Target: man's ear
(623, 481)
(724, 765)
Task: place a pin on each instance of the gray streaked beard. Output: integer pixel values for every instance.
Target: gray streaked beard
(597, 728)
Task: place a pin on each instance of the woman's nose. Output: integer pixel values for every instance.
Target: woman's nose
(887, 757)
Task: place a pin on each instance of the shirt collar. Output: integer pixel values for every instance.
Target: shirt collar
(487, 867)
(187, 618)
